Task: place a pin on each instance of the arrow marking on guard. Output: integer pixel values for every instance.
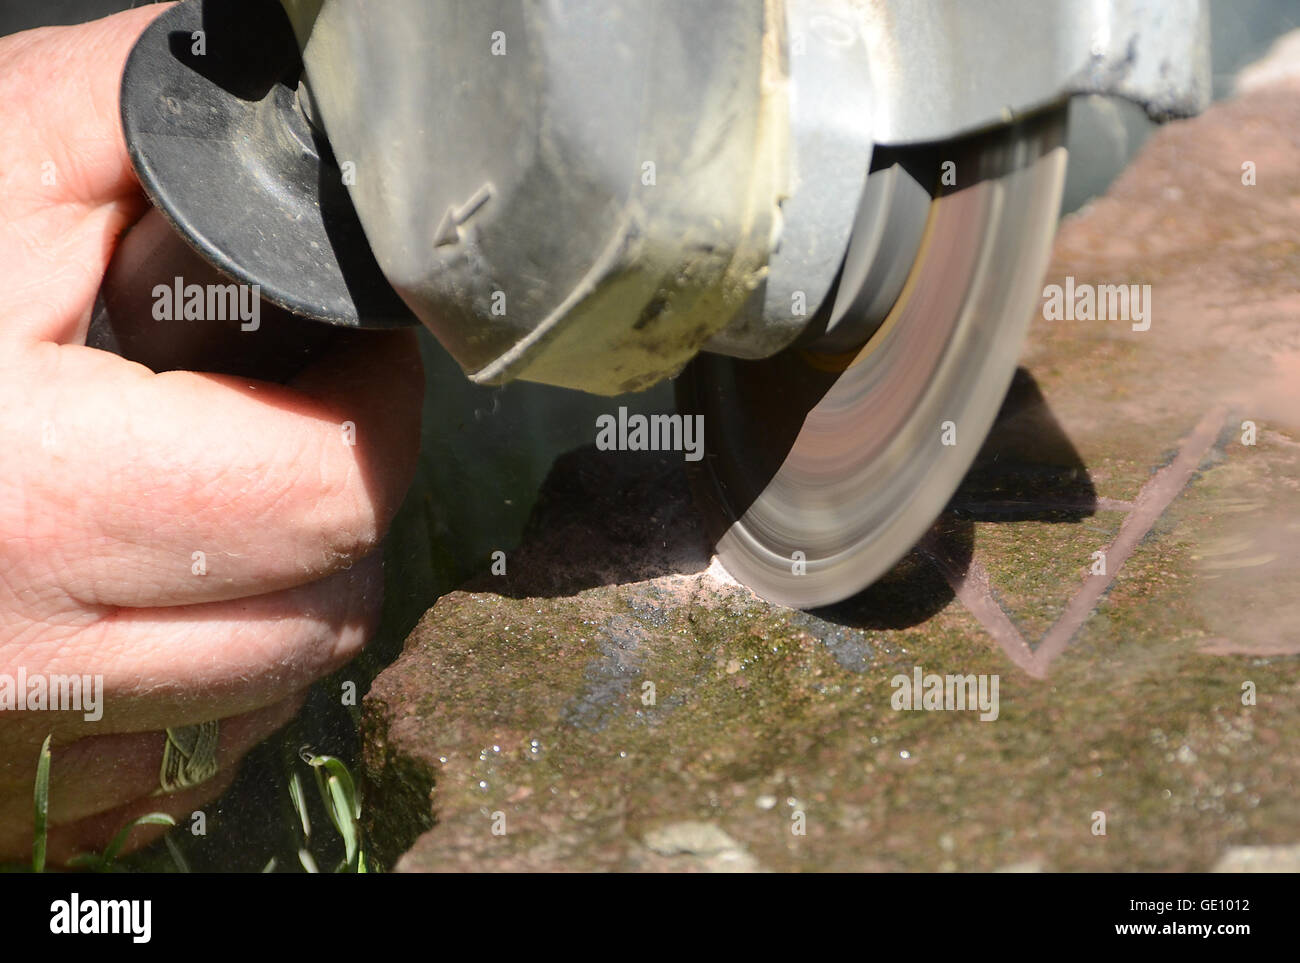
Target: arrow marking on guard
(448, 231)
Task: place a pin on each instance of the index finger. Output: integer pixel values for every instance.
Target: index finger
(67, 189)
(61, 84)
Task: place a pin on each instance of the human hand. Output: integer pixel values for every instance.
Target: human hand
(113, 477)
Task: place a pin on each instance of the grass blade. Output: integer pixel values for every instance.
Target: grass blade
(335, 767)
(182, 866)
(300, 804)
(42, 808)
(115, 847)
(343, 810)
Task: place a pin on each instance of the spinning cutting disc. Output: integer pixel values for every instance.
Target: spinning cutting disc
(821, 469)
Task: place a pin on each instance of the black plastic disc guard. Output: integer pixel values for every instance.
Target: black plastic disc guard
(223, 149)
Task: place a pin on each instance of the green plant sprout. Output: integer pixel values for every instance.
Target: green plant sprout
(99, 862)
(334, 782)
(339, 795)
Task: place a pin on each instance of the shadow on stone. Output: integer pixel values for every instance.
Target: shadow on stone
(609, 518)
(1027, 470)
(605, 518)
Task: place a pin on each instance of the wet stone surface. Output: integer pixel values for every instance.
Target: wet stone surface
(612, 702)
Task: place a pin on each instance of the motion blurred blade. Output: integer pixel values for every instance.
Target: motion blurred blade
(822, 470)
